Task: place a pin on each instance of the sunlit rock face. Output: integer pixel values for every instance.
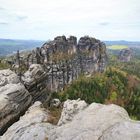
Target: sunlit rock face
(14, 98)
(70, 108)
(94, 122)
(125, 55)
(78, 121)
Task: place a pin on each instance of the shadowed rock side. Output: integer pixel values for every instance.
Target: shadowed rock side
(81, 122)
(35, 82)
(14, 99)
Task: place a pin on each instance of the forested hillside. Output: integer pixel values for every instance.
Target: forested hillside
(9, 46)
(119, 84)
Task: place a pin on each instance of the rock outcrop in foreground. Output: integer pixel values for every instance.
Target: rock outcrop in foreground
(32, 126)
(14, 99)
(85, 122)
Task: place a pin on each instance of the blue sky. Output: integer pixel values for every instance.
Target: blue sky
(45, 19)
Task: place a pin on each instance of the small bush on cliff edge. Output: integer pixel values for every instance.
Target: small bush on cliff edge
(112, 86)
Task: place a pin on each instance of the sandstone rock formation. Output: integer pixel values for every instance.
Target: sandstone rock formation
(35, 82)
(64, 59)
(32, 126)
(98, 122)
(93, 122)
(14, 99)
(125, 55)
(70, 109)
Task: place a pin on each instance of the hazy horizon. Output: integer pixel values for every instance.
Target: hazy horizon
(45, 19)
(47, 39)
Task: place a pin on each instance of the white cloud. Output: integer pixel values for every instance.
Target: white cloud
(44, 19)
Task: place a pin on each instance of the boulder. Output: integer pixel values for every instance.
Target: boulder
(14, 99)
(98, 122)
(35, 81)
(70, 108)
(79, 121)
(31, 126)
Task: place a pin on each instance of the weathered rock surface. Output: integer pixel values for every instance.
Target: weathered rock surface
(93, 122)
(127, 130)
(97, 122)
(70, 109)
(125, 55)
(35, 81)
(31, 126)
(14, 99)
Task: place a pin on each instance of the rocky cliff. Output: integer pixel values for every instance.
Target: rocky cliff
(64, 59)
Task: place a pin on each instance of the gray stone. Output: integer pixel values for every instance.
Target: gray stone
(93, 122)
(98, 122)
(64, 59)
(14, 99)
(127, 130)
(125, 55)
(35, 81)
(32, 126)
(70, 108)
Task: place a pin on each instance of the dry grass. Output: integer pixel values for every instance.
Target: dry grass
(55, 114)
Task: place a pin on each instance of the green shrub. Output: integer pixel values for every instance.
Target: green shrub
(112, 86)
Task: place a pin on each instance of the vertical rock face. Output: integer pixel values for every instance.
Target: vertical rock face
(93, 54)
(125, 55)
(64, 59)
(14, 99)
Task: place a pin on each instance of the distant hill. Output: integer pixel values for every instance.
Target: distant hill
(9, 46)
(122, 42)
